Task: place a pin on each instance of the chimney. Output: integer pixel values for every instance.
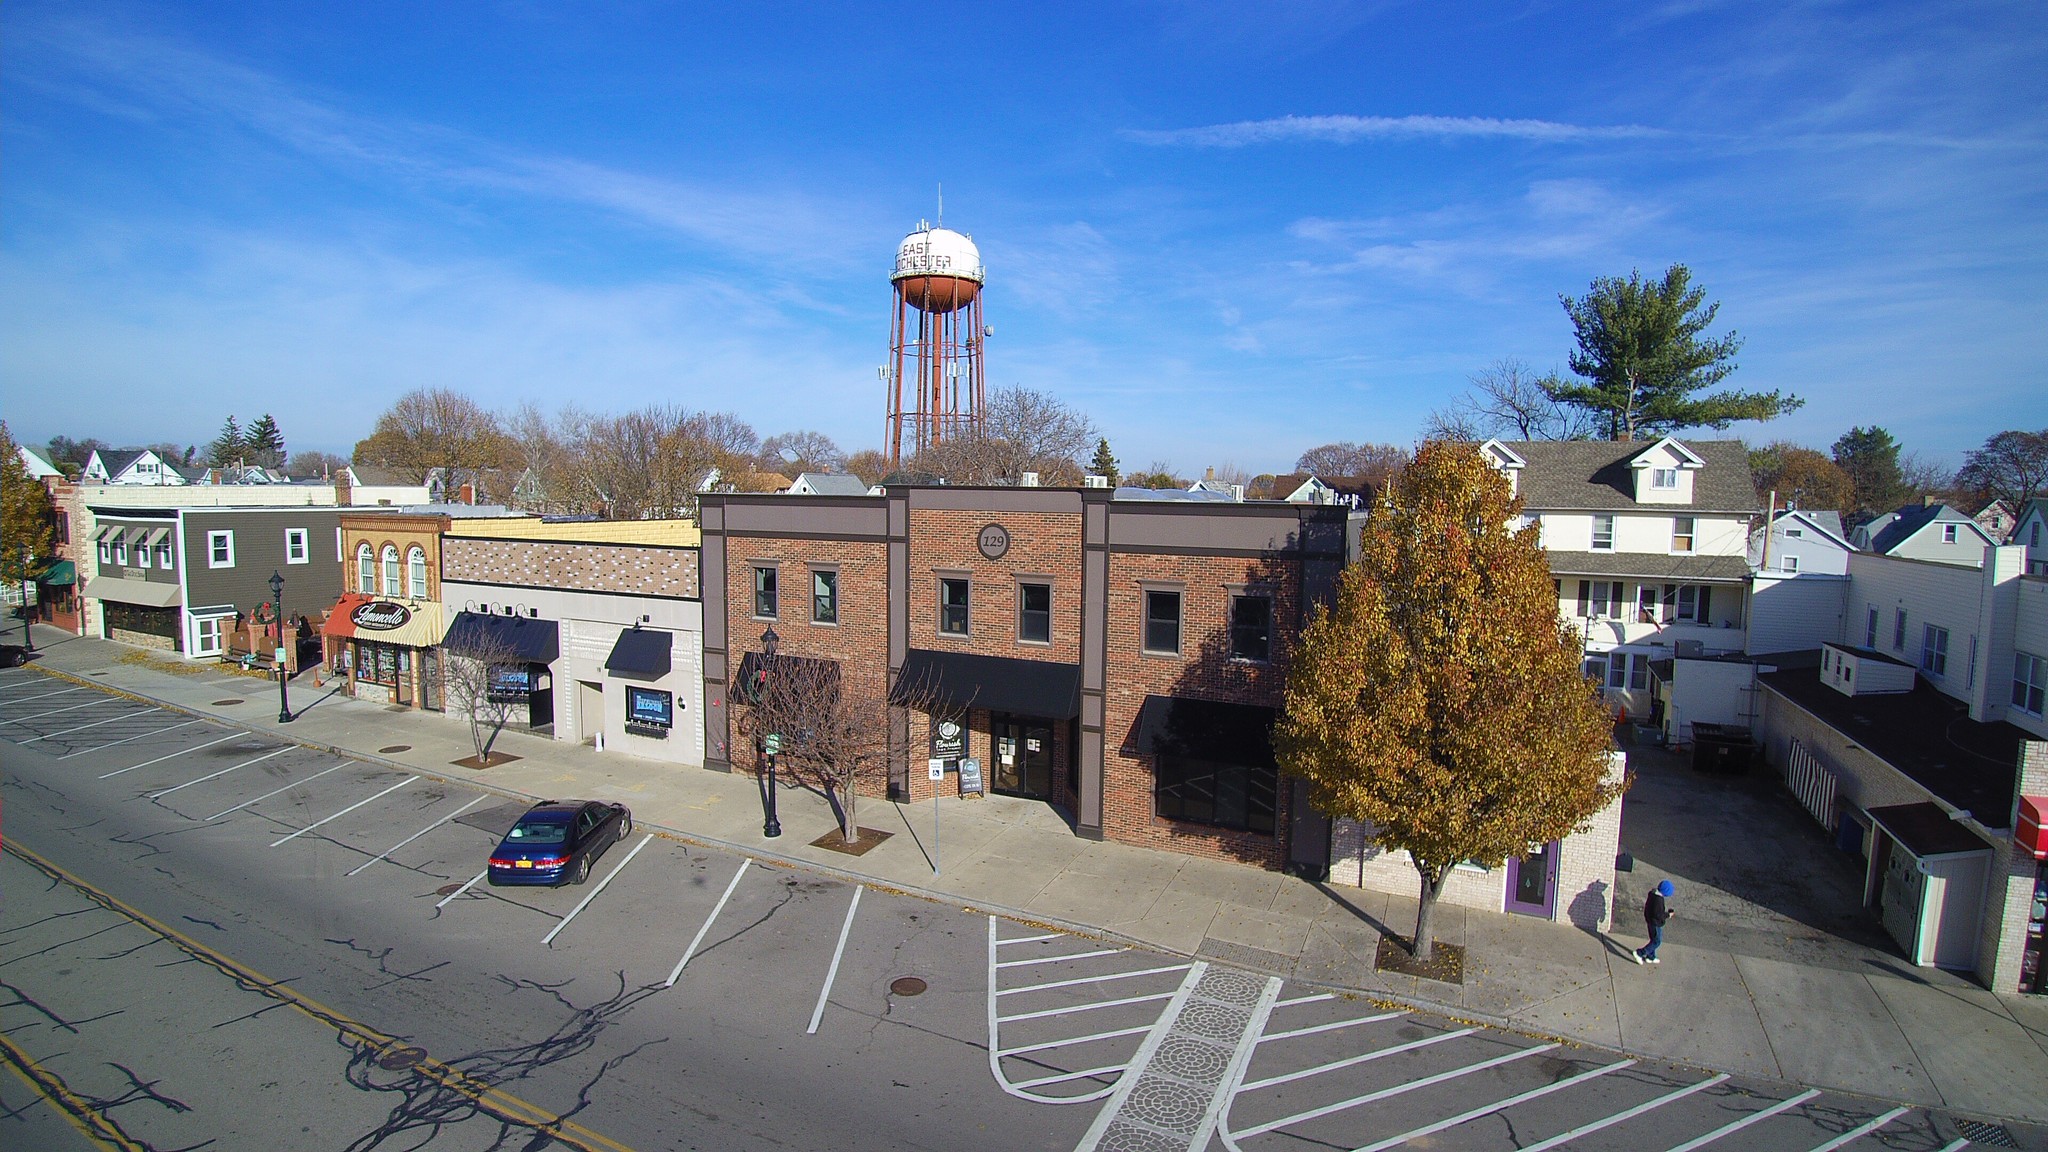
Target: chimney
(1237, 493)
(468, 494)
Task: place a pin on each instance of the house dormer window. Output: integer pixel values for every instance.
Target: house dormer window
(1603, 532)
(1664, 478)
(1948, 533)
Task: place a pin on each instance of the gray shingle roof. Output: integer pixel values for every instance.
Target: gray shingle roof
(834, 483)
(1649, 566)
(1911, 519)
(1595, 474)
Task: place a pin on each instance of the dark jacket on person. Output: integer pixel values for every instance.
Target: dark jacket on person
(1654, 911)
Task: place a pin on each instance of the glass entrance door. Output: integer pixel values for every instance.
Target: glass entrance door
(1021, 752)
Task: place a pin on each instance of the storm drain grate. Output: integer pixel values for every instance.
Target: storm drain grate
(388, 749)
(906, 986)
(399, 1059)
(1989, 1135)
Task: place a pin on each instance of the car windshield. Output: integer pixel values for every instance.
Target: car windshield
(539, 832)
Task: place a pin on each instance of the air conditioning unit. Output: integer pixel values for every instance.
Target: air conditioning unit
(1028, 480)
(1093, 481)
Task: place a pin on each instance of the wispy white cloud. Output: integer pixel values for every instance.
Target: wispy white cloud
(1351, 129)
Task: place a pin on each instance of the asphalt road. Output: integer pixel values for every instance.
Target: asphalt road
(216, 940)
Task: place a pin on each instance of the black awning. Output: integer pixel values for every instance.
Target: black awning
(817, 679)
(521, 637)
(641, 652)
(958, 680)
(1206, 730)
(1924, 829)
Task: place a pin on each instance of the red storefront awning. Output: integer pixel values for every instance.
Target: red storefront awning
(340, 620)
(2030, 833)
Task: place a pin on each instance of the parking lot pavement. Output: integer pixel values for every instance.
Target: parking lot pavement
(1122, 1043)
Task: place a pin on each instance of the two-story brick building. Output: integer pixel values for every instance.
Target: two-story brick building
(1117, 654)
(384, 633)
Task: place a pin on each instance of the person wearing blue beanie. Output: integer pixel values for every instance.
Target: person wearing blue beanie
(1656, 911)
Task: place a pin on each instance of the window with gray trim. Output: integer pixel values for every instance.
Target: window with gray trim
(1162, 621)
(953, 605)
(1251, 626)
(2029, 679)
(1899, 631)
(1934, 651)
(824, 596)
(1034, 612)
(766, 600)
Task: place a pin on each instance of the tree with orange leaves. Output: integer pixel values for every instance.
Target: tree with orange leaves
(1440, 701)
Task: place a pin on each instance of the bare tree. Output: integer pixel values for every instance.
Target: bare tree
(1926, 476)
(651, 464)
(539, 447)
(840, 737)
(1026, 431)
(1508, 399)
(432, 428)
(868, 464)
(473, 680)
(792, 453)
(1376, 463)
(306, 465)
(2011, 466)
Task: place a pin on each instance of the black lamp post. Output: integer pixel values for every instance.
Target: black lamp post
(284, 700)
(771, 827)
(28, 633)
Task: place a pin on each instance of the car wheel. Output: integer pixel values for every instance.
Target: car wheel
(625, 826)
(582, 871)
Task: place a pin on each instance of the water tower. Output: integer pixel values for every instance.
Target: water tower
(934, 377)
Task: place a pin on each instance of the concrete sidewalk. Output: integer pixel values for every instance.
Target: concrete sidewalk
(1915, 1036)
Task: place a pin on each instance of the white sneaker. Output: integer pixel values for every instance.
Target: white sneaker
(1651, 960)
(1635, 956)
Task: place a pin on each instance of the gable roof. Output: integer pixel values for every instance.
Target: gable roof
(1908, 521)
(1828, 523)
(829, 484)
(38, 465)
(1599, 475)
(116, 463)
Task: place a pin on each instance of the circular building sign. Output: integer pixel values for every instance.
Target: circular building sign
(994, 541)
(380, 616)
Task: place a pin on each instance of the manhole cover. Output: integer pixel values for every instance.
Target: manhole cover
(447, 889)
(390, 748)
(397, 1059)
(225, 703)
(906, 986)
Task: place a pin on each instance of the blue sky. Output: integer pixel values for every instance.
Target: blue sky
(1227, 232)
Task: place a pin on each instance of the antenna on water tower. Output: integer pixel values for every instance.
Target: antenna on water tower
(942, 205)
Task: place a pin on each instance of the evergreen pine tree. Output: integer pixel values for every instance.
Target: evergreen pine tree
(265, 443)
(1104, 464)
(229, 446)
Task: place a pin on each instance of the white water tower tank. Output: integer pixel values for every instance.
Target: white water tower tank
(937, 269)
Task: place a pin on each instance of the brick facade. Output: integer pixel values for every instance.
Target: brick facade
(1098, 555)
(644, 569)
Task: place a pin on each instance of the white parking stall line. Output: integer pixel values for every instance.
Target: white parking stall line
(1396, 1090)
(60, 711)
(1031, 939)
(344, 811)
(275, 791)
(832, 973)
(1090, 1039)
(1329, 1027)
(1068, 1011)
(1057, 959)
(1083, 1074)
(1627, 1114)
(706, 926)
(1312, 998)
(43, 696)
(1862, 1131)
(83, 727)
(1092, 979)
(1501, 1106)
(1353, 1061)
(585, 902)
(219, 774)
(443, 902)
(175, 755)
(417, 835)
(130, 740)
(1734, 1126)
(1120, 1093)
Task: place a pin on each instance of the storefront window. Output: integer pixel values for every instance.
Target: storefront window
(1221, 795)
(650, 708)
(377, 663)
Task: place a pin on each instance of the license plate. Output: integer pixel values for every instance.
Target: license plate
(522, 863)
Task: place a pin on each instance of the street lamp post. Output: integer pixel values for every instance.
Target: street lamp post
(28, 632)
(284, 700)
(771, 826)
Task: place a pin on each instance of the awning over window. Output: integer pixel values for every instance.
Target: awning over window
(958, 680)
(2030, 832)
(143, 592)
(405, 623)
(340, 621)
(59, 572)
(1206, 730)
(642, 652)
(520, 637)
(156, 536)
(815, 675)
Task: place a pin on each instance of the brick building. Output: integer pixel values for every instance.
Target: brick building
(1117, 654)
(384, 633)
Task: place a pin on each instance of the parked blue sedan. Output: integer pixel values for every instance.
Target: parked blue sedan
(555, 842)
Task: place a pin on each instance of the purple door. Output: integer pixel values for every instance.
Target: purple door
(1532, 882)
